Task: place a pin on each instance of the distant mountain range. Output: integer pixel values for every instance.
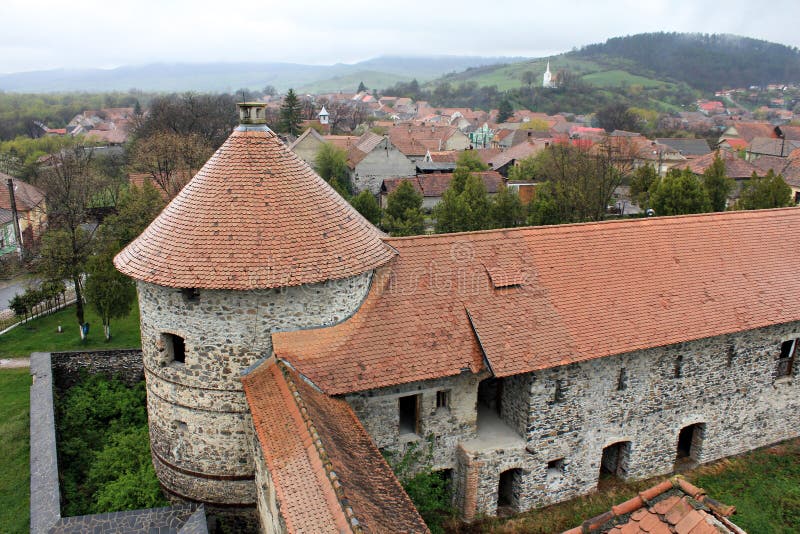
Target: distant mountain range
(379, 72)
(704, 62)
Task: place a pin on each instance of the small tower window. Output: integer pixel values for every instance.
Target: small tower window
(191, 294)
(175, 347)
(622, 380)
(786, 359)
(558, 394)
(679, 366)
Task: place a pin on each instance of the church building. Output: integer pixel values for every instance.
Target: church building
(287, 343)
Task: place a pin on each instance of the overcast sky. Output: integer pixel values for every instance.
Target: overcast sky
(46, 34)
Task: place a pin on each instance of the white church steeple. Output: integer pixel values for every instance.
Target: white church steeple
(547, 79)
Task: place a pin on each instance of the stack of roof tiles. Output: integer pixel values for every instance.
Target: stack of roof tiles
(255, 216)
(328, 474)
(673, 506)
(533, 298)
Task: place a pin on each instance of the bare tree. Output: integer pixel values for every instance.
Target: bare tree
(170, 159)
(71, 188)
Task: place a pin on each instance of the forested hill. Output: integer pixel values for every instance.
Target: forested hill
(706, 62)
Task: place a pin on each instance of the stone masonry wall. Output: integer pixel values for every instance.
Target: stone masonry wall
(197, 409)
(70, 367)
(378, 410)
(726, 383)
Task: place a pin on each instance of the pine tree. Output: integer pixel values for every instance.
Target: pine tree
(361, 88)
(504, 111)
(506, 210)
(476, 203)
(717, 184)
(771, 191)
(680, 193)
(290, 119)
(403, 215)
(367, 206)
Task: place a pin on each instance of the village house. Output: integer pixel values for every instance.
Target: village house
(284, 348)
(372, 159)
(433, 185)
(415, 140)
(31, 208)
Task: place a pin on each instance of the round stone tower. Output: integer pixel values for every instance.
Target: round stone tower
(255, 243)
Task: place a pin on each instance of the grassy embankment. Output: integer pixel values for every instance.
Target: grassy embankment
(41, 335)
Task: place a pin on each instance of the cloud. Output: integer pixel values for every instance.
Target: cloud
(90, 33)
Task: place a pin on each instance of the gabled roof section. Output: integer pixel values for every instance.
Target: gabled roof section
(255, 216)
(585, 291)
(735, 167)
(328, 474)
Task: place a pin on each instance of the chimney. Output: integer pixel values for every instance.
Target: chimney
(252, 113)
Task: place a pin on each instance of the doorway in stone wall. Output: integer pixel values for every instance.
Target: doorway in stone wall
(614, 462)
(490, 393)
(509, 488)
(690, 446)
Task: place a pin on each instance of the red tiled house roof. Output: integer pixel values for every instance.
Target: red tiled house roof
(672, 506)
(449, 303)
(255, 216)
(26, 196)
(735, 167)
(327, 472)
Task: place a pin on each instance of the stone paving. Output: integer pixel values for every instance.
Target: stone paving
(15, 363)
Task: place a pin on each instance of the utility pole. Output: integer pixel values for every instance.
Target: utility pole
(15, 215)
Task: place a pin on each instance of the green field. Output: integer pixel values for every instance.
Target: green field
(14, 464)
(510, 76)
(618, 78)
(41, 335)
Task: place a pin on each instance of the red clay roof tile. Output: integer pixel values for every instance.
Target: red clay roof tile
(326, 469)
(255, 216)
(717, 274)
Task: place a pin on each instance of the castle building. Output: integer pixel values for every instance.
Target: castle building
(287, 342)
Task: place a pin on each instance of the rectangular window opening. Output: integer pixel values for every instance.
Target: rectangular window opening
(622, 380)
(409, 414)
(443, 399)
(555, 467)
(175, 347)
(786, 359)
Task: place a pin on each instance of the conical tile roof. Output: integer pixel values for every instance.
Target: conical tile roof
(255, 216)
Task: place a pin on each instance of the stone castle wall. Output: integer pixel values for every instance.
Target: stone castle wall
(726, 383)
(378, 411)
(566, 416)
(197, 409)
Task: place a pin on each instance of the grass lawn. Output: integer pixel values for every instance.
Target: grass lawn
(616, 78)
(41, 335)
(14, 462)
(763, 485)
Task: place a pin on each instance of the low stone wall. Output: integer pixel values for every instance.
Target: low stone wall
(61, 371)
(70, 367)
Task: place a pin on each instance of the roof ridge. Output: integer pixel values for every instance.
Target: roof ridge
(333, 478)
(662, 220)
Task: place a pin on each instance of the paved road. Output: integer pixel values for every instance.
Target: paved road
(9, 288)
(15, 363)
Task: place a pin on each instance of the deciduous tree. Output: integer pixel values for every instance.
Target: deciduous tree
(331, 165)
(109, 292)
(169, 159)
(507, 210)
